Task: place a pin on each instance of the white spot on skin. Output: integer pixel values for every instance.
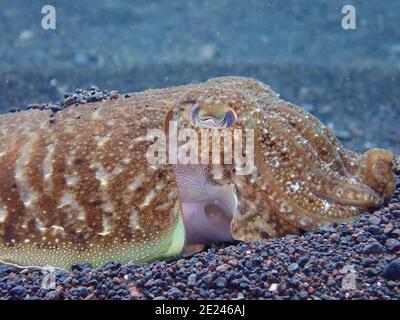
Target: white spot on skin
(48, 162)
(305, 222)
(108, 207)
(3, 214)
(71, 180)
(104, 177)
(117, 170)
(139, 139)
(57, 229)
(133, 221)
(136, 183)
(327, 206)
(101, 174)
(101, 140)
(68, 200)
(149, 198)
(106, 227)
(39, 225)
(69, 159)
(48, 167)
(294, 187)
(152, 194)
(27, 195)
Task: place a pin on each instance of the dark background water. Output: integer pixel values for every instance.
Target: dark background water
(347, 78)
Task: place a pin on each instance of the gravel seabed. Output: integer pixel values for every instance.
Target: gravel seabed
(310, 266)
(347, 79)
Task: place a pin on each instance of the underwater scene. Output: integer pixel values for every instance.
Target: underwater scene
(200, 150)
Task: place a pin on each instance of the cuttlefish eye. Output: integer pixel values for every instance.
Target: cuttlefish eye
(212, 118)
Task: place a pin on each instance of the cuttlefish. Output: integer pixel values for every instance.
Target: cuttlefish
(81, 188)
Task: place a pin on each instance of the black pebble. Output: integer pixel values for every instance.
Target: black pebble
(373, 248)
(392, 270)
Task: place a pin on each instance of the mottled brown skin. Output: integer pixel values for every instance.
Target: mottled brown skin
(80, 189)
(69, 186)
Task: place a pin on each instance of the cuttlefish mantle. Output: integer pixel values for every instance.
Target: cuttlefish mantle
(80, 189)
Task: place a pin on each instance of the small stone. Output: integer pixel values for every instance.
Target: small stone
(222, 268)
(80, 266)
(302, 261)
(93, 283)
(220, 282)
(392, 244)
(134, 292)
(273, 287)
(114, 95)
(374, 220)
(372, 272)
(396, 213)
(191, 280)
(373, 248)
(175, 293)
(388, 228)
(396, 232)
(17, 291)
(293, 267)
(375, 230)
(331, 282)
(368, 262)
(82, 292)
(233, 262)
(69, 101)
(303, 295)
(212, 267)
(392, 270)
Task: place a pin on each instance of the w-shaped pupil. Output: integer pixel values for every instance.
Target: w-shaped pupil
(211, 119)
